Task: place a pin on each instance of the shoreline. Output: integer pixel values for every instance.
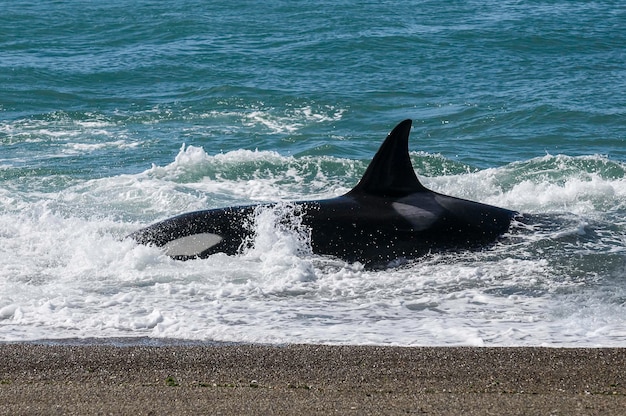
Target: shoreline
(146, 341)
(310, 379)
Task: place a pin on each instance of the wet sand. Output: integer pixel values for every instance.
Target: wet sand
(309, 379)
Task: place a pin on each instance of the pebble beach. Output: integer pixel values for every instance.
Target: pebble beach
(309, 379)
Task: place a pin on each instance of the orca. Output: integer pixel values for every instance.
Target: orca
(389, 215)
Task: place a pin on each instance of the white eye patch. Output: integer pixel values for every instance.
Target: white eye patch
(192, 245)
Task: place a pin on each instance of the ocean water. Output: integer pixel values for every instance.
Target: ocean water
(116, 114)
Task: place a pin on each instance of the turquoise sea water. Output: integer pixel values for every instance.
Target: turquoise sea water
(114, 115)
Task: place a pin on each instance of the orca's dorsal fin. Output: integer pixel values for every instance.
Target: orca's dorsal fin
(390, 172)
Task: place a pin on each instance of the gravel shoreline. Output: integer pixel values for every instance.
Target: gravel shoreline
(310, 379)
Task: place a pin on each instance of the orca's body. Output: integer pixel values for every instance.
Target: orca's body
(389, 215)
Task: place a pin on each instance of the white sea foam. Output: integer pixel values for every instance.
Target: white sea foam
(292, 120)
(66, 270)
(90, 147)
(565, 188)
